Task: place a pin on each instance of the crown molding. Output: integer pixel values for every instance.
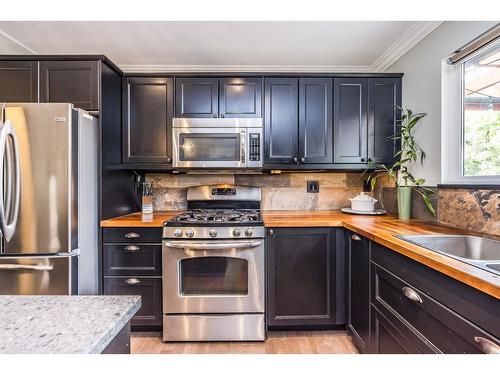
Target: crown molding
(418, 31)
(19, 43)
(160, 68)
(407, 41)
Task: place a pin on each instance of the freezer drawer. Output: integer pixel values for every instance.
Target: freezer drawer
(39, 275)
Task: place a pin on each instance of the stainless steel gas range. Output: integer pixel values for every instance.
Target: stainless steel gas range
(213, 267)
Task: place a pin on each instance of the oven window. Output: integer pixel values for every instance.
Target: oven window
(209, 147)
(214, 275)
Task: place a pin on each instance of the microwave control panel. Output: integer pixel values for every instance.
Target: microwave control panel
(254, 146)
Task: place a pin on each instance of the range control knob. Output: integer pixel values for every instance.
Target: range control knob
(236, 232)
(248, 232)
(178, 233)
(190, 232)
(212, 233)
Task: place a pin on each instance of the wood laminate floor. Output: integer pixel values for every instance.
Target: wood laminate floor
(282, 342)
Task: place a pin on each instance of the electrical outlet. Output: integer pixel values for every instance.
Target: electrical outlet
(312, 186)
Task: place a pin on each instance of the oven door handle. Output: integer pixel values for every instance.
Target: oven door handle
(211, 245)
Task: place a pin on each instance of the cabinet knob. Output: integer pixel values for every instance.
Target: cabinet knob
(355, 237)
(215, 115)
(132, 235)
(302, 160)
(222, 115)
(169, 159)
(370, 160)
(362, 160)
(271, 232)
(411, 294)
(132, 281)
(295, 160)
(487, 346)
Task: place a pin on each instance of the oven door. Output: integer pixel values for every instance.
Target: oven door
(213, 276)
(209, 148)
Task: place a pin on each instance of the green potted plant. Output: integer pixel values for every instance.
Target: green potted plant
(409, 153)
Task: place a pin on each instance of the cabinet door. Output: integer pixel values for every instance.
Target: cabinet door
(358, 318)
(196, 97)
(240, 97)
(150, 312)
(301, 277)
(74, 82)
(281, 120)
(148, 111)
(350, 120)
(383, 95)
(18, 81)
(315, 120)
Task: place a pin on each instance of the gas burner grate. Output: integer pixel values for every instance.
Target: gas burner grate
(218, 216)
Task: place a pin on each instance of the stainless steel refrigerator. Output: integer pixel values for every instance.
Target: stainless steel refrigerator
(48, 199)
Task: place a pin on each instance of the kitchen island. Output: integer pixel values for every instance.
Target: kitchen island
(66, 324)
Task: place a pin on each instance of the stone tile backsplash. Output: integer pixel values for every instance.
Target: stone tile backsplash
(476, 210)
(470, 209)
(285, 191)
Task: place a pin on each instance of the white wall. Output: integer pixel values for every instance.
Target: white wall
(422, 86)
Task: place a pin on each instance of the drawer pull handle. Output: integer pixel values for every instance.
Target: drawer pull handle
(132, 235)
(411, 294)
(132, 281)
(487, 346)
(355, 237)
(131, 248)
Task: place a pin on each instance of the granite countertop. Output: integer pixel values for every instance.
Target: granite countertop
(381, 229)
(62, 324)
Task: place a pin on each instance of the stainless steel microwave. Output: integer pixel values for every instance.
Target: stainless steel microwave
(217, 143)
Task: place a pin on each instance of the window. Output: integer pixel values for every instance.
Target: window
(470, 136)
(481, 113)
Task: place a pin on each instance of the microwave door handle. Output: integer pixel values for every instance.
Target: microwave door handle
(211, 245)
(243, 156)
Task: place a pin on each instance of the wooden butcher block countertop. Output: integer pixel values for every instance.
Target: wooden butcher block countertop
(139, 220)
(381, 229)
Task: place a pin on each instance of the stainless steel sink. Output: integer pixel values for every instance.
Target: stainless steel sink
(478, 251)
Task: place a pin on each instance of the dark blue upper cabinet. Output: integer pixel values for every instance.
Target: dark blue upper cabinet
(240, 97)
(350, 120)
(383, 95)
(281, 120)
(315, 120)
(196, 97)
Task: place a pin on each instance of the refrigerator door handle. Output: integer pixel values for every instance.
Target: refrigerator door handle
(33, 267)
(8, 228)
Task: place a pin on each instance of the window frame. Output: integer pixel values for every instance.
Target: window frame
(452, 136)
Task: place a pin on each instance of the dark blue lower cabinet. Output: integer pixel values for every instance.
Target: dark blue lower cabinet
(305, 273)
(414, 309)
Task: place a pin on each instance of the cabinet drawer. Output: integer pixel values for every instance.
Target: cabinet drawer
(137, 260)
(150, 313)
(445, 329)
(132, 235)
(475, 306)
(389, 335)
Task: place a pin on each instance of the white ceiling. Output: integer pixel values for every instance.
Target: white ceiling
(363, 46)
